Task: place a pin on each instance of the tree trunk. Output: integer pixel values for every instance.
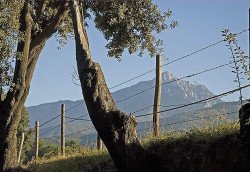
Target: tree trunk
(116, 129)
(244, 117)
(11, 107)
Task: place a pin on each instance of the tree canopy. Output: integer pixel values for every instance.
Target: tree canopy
(9, 24)
(130, 24)
(125, 25)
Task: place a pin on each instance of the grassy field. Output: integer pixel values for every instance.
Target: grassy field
(92, 160)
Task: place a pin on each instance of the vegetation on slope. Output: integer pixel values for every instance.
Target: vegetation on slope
(199, 149)
(89, 160)
(208, 149)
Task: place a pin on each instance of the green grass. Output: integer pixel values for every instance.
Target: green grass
(93, 160)
(90, 160)
(195, 134)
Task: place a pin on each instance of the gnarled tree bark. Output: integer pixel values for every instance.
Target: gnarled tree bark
(11, 107)
(116, 129)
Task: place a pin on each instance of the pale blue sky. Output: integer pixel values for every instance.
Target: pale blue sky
(200, 24)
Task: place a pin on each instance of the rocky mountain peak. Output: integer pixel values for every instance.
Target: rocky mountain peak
(174, 92)
(167, 76)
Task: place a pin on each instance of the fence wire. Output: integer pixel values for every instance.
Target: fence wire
(196, 102)
(175, 60)
(191, 120)
(175, 80)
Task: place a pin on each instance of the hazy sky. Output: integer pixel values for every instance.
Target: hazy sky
(200, 24)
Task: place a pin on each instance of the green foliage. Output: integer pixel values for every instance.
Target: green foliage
(89, 160)
(45, 151)
(28, 136)
(73, 147)
(24, 122)
(93, 160)
(238, 54)
(130, 24)
(78, 158)
(195, 134)
(10, 33)
(48, 150)
(214, 132)
(125, 24)
(9, 24)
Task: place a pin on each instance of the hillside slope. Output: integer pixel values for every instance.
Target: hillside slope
(217, 114)
(207, 149)
(173, 93)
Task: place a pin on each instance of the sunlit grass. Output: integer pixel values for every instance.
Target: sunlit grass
(89, 160)
(94, 160)
(195, 134)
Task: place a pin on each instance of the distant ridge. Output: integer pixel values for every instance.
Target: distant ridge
(173, 93)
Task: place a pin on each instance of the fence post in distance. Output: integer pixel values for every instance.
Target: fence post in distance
(63, 129)
(20, 149)
(99, 142)
(37, 139)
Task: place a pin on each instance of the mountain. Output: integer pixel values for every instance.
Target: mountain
(219, 113)
(46, 111)
(174, 92)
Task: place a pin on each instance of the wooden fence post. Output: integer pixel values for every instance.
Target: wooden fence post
(99, 142)
(20, 149)
(37, 139)
(63, 129)
(157, 98)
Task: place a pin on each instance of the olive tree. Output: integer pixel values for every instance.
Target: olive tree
(126, 25)
(25, 28)
(26, 25)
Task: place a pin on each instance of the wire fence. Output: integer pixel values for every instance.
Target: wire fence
(170, 107)
(175, 60)
(190, 120)
(175, 80)
(197, 102)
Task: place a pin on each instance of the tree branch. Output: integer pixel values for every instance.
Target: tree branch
(81, 37)
(38, 43)
(16, 92)
(52, 27)
(41, 7)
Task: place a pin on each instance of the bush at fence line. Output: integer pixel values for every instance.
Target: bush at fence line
(28, 144)
(73, 146)
(50, 150)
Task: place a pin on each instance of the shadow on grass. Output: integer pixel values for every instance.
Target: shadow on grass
(224, 153)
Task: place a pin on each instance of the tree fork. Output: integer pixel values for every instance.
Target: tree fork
(116, 129)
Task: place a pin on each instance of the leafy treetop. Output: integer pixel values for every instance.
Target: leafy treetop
(127, 25)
